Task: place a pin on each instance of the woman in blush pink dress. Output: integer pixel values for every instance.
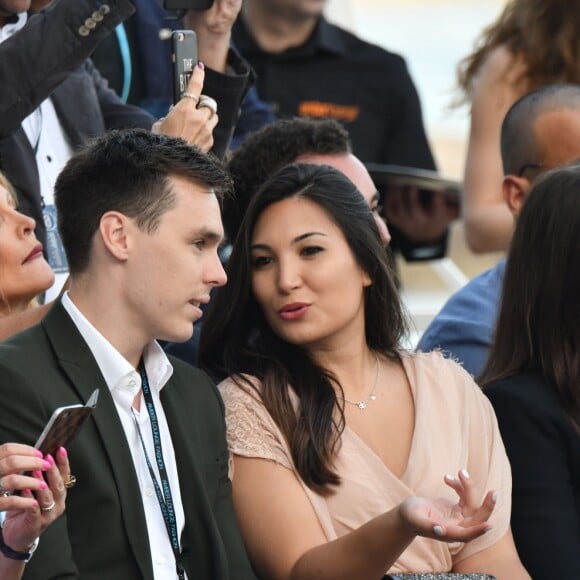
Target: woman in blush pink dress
(340, 440)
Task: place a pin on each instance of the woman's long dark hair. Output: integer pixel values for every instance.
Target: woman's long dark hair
(236, 339)
(539, 321)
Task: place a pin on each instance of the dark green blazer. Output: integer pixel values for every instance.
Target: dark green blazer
(103, 533)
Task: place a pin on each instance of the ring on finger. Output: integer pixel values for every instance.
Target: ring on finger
(187, 95)
(3, 490)
(49, 507)
(208, 103)
(70, 482)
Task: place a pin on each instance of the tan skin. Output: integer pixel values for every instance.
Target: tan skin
(288, 542)
(25, 521)
(488, 224)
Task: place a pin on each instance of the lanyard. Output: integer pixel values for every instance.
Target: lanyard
(162, 491)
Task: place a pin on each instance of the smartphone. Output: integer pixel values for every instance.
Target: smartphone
(187, 4)
(64, 425)
(184, 58)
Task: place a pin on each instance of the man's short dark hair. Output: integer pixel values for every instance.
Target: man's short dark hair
(269, 149)
(519, 144)
(126, 171)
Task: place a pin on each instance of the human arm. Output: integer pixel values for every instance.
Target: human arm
(39, 57)
(22, 469)
(545, 513)
(488, 222)
(285, 539)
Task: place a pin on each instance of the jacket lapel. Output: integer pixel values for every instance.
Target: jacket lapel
(79, 365)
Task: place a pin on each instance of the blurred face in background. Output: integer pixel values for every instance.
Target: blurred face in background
(24, 273)
(292, 9)
(355, 170)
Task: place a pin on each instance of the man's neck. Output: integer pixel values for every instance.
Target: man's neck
(112, 321)
(274, 31)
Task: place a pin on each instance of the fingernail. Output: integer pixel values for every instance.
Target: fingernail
(449, 477)
(35, 504)
(438, 530)
(39, 454)
(46, 465)
(494, 496)
(465, 473)
(37, 474)
(200, 65)
(63, 452)
(50, 460)
(43, 485)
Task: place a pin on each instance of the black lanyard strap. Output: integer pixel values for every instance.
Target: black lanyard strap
(163, 491)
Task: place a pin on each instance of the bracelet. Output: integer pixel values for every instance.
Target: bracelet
(8, 552)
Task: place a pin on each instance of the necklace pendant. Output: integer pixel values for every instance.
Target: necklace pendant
(362, 405)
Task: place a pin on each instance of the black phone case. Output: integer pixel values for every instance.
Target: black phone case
(184, 58)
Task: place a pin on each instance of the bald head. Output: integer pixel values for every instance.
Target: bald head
(541, 130)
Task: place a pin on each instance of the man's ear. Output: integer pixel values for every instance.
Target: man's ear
(515, 189)
(114, 229)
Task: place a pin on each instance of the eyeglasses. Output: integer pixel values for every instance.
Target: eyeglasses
(527, 166)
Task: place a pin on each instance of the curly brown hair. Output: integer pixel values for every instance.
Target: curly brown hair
(544, 33)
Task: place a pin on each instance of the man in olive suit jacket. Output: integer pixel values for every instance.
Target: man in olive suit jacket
(140, 222)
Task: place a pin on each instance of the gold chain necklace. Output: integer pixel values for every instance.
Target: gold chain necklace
(362, 404)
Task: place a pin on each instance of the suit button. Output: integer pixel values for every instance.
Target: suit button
(90, 23)
(96, 16)
(104, 9)
(84, 31)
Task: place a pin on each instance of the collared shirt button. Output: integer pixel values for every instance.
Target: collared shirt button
(84, 31)
(90, 23)
(132, 383)
(160, 561)
(104, 9)
(148, 491)
(97, 16)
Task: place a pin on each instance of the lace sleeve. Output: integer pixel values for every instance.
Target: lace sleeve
(251, 432)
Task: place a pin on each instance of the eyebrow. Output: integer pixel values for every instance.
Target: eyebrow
(209, 235)
(297, 239)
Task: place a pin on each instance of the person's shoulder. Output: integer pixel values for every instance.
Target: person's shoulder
(529, 388)
(243, 389)
(473, 306)
(355, 45)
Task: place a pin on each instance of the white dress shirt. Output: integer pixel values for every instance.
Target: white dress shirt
(124, 383)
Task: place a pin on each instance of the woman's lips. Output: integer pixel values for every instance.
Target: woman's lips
(293, 311)
(36, 252)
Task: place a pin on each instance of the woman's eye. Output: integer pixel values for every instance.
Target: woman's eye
(260, 261)
(311, 250)
(199, 244)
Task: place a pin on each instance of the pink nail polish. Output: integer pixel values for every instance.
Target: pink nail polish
(200, 65)
(50, 459)
(63, 452)
(35, 504)
(38, 474)
(46, 465)
(43, 485)
(38, 454)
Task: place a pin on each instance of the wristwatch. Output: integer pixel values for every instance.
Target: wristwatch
(8, 552)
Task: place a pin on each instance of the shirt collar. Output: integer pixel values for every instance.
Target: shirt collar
(13, 25)
(114, 367)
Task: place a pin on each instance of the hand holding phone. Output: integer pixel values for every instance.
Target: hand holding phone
(184, 58)
(64, 425)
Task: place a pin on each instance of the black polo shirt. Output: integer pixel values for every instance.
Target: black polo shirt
(336, 74)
